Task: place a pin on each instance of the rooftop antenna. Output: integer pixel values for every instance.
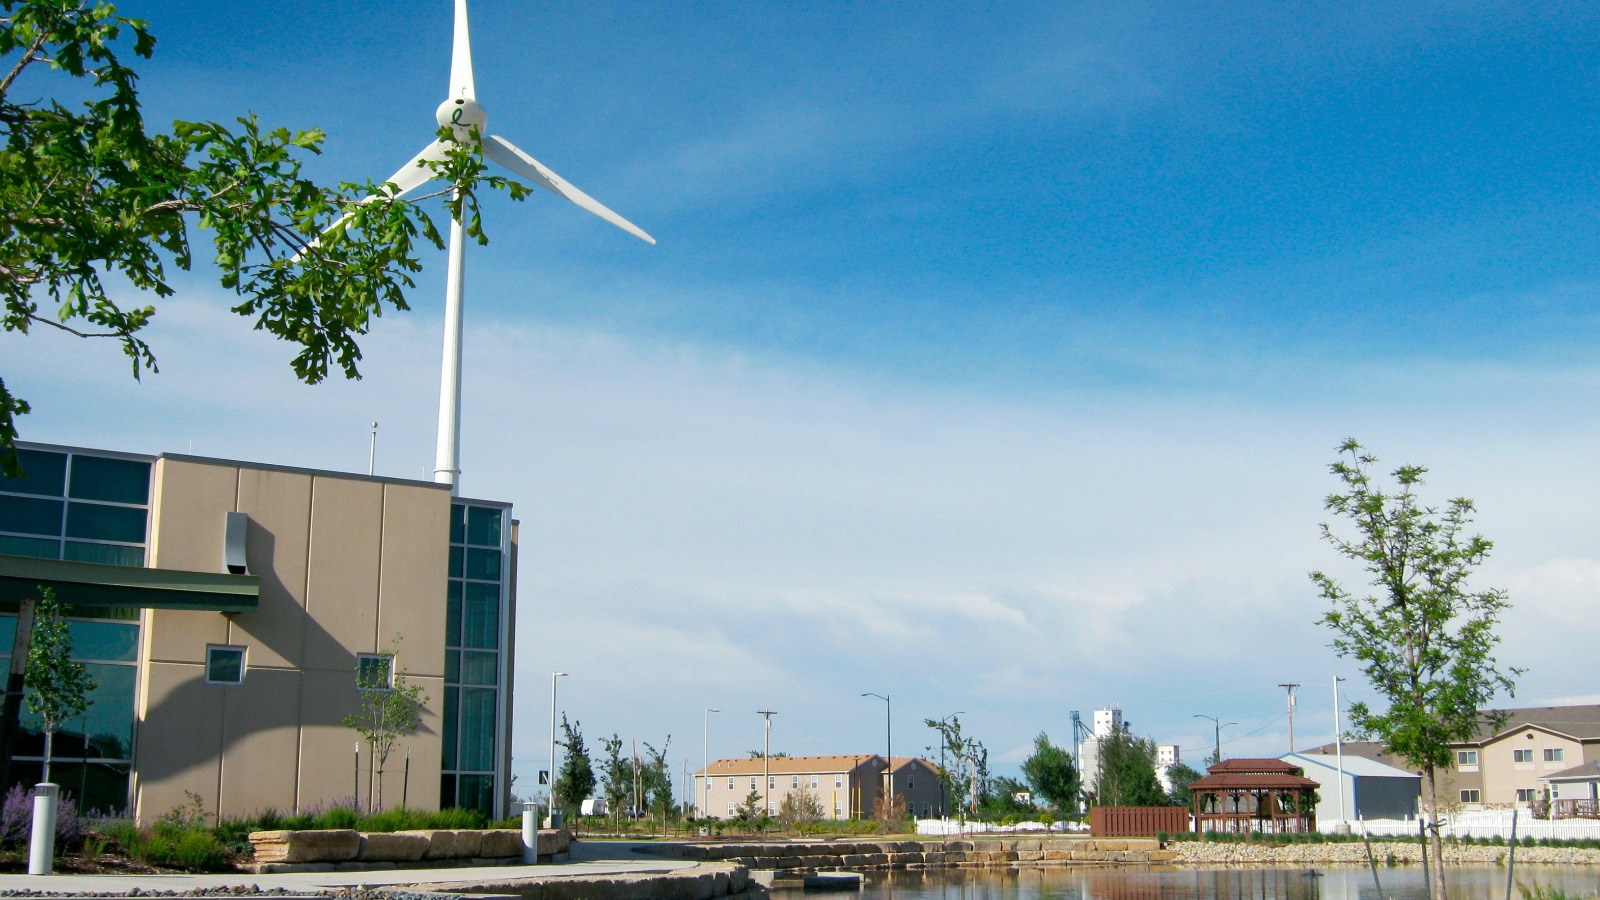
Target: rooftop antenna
(372, 450)
(466, 119)
(1290, 686)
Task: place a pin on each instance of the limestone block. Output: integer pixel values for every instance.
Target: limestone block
(501, 842)
(1024, 846)
(1143, 844)
(1030, 855)
(1111, 845)
(398, 847)
(306, 846)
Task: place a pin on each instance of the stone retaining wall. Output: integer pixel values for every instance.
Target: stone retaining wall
(347, 850)
(1355, 853)
(823, 856)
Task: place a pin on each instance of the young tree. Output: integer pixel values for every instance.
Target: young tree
(1128, 772)
(751, 811)
(388, 708)
(1182, 775)
(958, 757)
(1422, 638)
(889, 812)
(58, 686)
(799, 809)
(577, 781)
(1002, 799)
(656, 779)
(88, 193)
(616, 775)
(1053, 775)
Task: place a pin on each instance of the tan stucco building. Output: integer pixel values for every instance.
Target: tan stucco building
(225, 608)
(848, 787)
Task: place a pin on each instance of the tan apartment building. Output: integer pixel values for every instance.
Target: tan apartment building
(847, 787)
(224, 608)
(1505, 767)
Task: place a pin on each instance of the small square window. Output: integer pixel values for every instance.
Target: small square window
(1522, 756)
(1466, 757)
(1555, 754)
(374, 671)
(1524, 795)
(224, 665)
(1470, 796)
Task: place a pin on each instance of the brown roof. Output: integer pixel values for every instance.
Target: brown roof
(793, 765)
(1253, 774)
(1580, 722)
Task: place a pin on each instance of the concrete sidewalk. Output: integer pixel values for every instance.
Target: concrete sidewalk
(588, 858)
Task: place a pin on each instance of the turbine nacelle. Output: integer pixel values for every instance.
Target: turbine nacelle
(461, 115)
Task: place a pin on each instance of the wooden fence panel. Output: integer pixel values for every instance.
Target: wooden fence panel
(1137, 821)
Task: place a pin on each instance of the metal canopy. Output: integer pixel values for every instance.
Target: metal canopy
(82, 584)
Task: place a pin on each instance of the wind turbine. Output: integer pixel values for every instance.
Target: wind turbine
(461, 113)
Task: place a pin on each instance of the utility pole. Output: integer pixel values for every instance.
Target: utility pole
(766, 761)
(1290, 686)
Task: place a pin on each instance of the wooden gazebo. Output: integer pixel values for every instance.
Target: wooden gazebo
(1260, 795)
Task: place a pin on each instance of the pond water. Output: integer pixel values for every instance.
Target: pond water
(1216, 883)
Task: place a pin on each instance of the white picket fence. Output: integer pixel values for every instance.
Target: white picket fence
(1481, 824)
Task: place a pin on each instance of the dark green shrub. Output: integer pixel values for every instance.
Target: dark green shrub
(200, 851)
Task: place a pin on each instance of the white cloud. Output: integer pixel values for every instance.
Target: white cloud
(704, 528)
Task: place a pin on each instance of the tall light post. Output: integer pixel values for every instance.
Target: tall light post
(706, 769)
(766, 762)
(1218, 733)
(1338, 751)
(888, 731)
(555, 819)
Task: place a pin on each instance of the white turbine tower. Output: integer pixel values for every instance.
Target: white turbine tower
(461, 113)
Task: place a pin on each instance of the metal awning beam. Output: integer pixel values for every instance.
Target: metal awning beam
(81, 584)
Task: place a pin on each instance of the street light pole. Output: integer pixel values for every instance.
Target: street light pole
(555, 821)
(888, 730)
(1217, 734)
(1338, 750)
(766, 762)
(706, 771)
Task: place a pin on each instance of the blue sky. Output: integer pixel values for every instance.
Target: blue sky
(991, 356)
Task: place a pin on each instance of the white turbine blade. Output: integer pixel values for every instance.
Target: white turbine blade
(412, 175)
(461, 58)
(501, 151)
(417, 172)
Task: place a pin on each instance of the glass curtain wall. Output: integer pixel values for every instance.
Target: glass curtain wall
(85, 507)
(479, 546)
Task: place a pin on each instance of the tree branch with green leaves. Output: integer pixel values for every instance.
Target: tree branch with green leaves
(95, 207)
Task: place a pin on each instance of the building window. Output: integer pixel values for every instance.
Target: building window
(838, 809)
(477, 598)
(224, 665)
(730, 809)
(772, 782)
(1554, 755)
(730, 782)
(1470, 796)
(76, 506)
(813, 781)
(752, 782)
(1524, 795)
(1522, 756)
(794, 781)
(1466, 757)
(838, 781)
(771, 810)
(374, 671)
(911, 780)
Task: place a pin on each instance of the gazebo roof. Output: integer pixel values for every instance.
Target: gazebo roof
(1253, 774)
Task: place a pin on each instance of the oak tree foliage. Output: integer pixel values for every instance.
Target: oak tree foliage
(98, 210)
